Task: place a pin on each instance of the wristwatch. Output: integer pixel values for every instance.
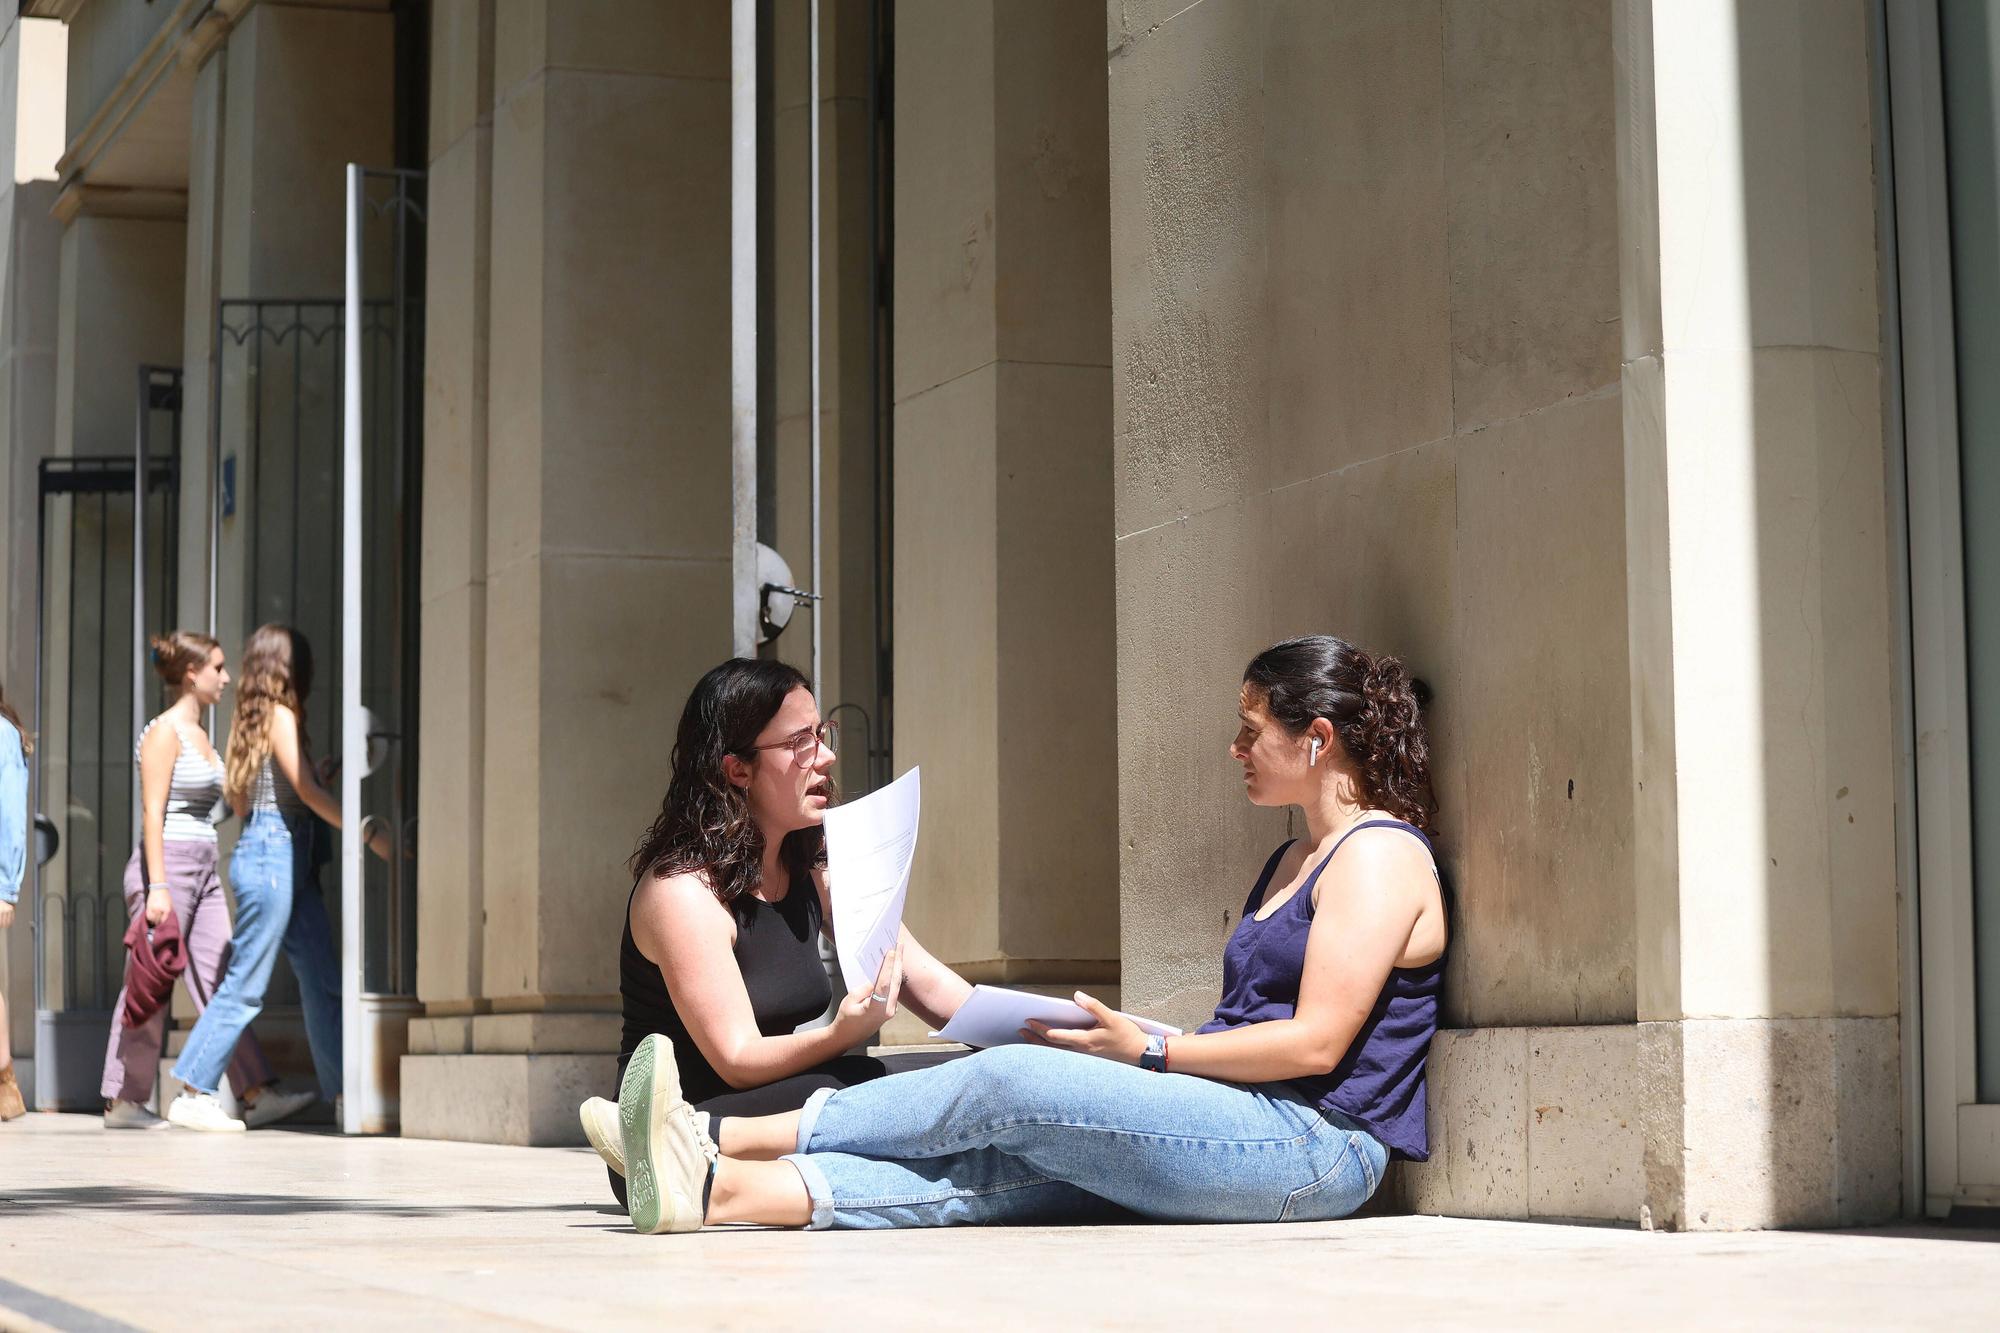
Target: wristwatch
(1154, 1057)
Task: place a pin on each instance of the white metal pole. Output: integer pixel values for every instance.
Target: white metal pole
(139, 654)
(353, 729)
(743, 325)
(812, 205)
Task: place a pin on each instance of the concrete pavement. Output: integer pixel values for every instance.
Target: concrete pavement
(308, 1230)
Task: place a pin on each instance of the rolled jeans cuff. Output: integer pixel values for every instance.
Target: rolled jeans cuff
(809, 1116)
(817, 1188)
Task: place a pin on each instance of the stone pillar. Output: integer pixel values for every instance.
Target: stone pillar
(450, 941)
(1760, 624)
(1004, 637)
(606, 551)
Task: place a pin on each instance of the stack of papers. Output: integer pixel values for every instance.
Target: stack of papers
(995, 1015)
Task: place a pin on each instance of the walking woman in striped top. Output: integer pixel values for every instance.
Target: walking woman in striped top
(269, 780)
(173, 870)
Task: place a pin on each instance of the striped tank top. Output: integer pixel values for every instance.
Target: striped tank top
(273, 791)
(195, 789)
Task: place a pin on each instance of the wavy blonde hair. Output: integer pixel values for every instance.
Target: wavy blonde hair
(277, 669)
(27, 741)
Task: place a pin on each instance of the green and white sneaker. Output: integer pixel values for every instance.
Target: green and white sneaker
(600, 1125)
(668, 1153)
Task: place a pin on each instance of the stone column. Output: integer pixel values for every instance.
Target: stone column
(1004, 635)
(606, 550)
(451, 903)
(1760, 625)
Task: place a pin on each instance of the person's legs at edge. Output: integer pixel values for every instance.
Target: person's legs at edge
(775, 1099)
(210, 942)
(308, 944)
(261, 872)
(132, 1055)
(979, 1138)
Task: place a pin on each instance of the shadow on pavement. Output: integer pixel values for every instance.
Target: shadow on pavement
(197, 1203)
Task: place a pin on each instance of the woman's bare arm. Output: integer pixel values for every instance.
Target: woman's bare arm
(678, 924)
(1370, 901)
(157, 754)
(291, 761)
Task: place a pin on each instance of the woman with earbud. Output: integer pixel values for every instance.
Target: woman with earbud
(1285, 1106)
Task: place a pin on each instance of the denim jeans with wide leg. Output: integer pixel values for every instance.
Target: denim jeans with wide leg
(277, 906)
(1030, 1134)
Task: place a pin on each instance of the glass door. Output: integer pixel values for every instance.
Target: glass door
(1943, 68)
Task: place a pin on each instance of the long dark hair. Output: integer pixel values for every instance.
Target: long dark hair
(277, 669)
(1374, 705)
(704, 826)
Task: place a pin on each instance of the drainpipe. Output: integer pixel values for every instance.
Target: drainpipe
(743, 325)
(813, 347)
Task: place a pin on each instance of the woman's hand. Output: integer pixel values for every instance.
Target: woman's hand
(863, 1013)
(6, 915)
(1115, 1037)
(158, 903)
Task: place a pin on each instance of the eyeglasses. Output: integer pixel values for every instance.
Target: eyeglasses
(805, 745)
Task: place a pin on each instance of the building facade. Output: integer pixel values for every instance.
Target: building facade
(1606, 361)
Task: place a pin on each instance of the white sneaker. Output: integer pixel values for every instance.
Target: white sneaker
(202, 1111)
(131, 1115)
(272, 1106)
(600, 1125)
(668, 1153)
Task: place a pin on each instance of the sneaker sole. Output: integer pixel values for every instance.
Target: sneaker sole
(651, 1088)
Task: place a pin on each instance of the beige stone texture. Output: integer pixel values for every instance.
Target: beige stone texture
(611, 37)
(309, 90)
(540, 1033)
(1480, 1123)
(121, 309)
(1531, 160)
(457, 297)
(1354, 379)
(1056, 628)
(1360, 315)
(1586, 1154)
(946, 119)
(1771, 1122)
(947, 699)
(1193, 605)
(1003, 586)
(1542, 720)
(520, 1099)
(1190, 340)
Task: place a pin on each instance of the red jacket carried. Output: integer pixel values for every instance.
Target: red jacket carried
(154, 957)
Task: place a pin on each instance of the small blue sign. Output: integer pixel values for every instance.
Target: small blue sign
(229, 486)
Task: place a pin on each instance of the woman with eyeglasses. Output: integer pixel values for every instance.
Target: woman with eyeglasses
(720, 951)
(1286, 1106)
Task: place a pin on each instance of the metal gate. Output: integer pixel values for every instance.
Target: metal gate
(105, 568)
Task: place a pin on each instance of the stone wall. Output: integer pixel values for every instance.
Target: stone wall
(1365, 288)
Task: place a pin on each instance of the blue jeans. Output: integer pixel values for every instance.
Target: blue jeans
(1031, 1134)
(277, 906)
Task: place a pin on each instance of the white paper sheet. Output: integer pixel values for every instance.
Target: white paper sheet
(995, 1015)
(869, 846)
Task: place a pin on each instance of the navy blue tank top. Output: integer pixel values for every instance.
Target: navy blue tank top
(1380, 1081)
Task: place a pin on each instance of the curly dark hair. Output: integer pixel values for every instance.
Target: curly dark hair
(1374, 705)
(704, 825)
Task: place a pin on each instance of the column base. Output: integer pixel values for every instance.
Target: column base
(527, 1100)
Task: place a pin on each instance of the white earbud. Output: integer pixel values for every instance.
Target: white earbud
(1312, 756)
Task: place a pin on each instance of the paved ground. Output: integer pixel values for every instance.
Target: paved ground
(307, 1230)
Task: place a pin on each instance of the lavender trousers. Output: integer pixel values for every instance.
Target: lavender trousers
(132, 1060)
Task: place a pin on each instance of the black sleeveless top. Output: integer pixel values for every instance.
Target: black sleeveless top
(777, 950)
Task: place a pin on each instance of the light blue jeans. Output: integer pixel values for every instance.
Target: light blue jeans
(1031, 1134)
(278, 905)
